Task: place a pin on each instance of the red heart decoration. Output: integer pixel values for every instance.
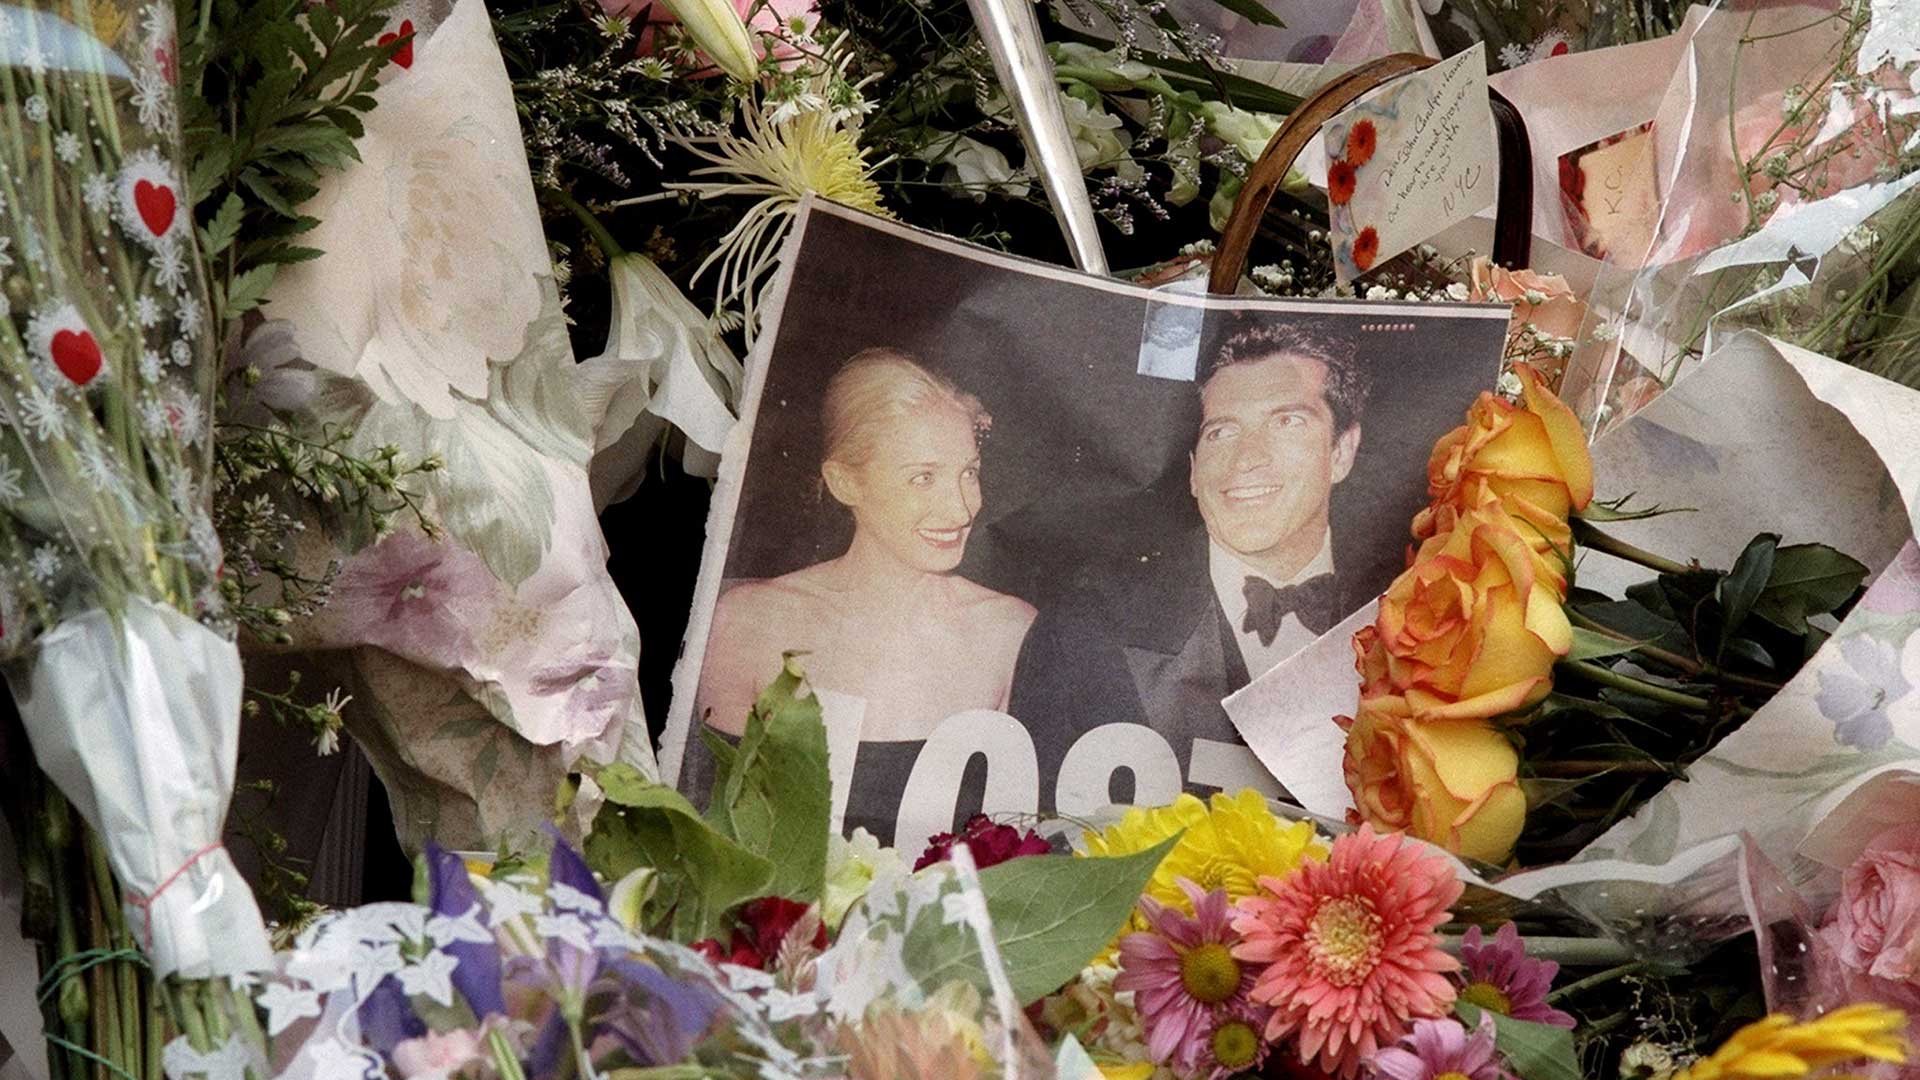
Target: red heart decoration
(1560, 48)
(77, 355)
(156, 205)
(404, 54)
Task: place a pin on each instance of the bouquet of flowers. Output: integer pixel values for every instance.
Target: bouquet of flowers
(120, 656)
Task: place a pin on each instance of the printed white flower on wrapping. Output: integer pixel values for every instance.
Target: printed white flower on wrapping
(147, 200)
(153, 99)
(285, 1004)
(445, 930)
(431, 977)
(10, 482)
(61, 341)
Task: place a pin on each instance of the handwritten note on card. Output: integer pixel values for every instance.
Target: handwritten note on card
(1611, 195)
(1408, 160)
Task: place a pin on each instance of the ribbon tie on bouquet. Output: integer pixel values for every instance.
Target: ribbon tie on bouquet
(1312, 601)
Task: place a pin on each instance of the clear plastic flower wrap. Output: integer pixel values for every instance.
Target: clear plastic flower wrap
(125, 673)
(1787, 142)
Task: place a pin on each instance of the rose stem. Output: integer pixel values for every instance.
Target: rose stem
(1585, 532)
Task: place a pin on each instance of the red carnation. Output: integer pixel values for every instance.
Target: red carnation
(763, 925)
(990, 844)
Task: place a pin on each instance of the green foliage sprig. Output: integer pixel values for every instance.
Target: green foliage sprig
(272, 97)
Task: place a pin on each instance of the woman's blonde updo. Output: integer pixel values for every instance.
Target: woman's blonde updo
(881, 384)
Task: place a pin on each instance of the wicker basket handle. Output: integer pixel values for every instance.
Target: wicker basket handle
(1513, 222)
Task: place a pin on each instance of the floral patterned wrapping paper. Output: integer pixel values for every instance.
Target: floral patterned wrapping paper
(485, 661)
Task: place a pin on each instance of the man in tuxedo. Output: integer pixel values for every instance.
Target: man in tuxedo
(1161, 639)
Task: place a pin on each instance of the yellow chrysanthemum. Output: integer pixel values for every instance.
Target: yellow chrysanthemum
(1778, 1048)
(1229, 844)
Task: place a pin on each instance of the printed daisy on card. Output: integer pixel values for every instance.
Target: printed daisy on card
(65, 346)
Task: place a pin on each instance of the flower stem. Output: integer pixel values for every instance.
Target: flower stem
(608, 245)
(1600, 978)
(1586, 533)
(1573, 767)
(1638, 687)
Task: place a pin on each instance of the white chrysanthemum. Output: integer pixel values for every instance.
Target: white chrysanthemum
(777, 164)
(147, 202)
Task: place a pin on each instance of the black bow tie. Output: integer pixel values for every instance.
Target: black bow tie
(1312, 601)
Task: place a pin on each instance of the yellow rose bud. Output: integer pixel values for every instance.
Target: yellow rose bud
(1534, 459)
(1454, 783)
(1471, 630)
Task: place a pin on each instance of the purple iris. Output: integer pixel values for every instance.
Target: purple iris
(453, 895)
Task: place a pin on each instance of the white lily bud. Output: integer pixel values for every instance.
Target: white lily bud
(717, 30)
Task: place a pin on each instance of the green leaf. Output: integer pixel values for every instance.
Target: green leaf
(1807, 580)
(247, 288)
(264, 190)
(702, 874)
(775, 797)
(1534, 1051)
(1742, 585)
(1054, 913)
(224, 226)
(1591, 645)
(1253, 11)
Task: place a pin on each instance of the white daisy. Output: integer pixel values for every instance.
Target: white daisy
(44, 564)
(10, 477)
(169, 268)
(155, 418)
(98, 469)
(97, 191)
(66, 147)
(36, 109)
(146, 310)
(43, 413)
(156, 21)
(153, 99)
(188, 315)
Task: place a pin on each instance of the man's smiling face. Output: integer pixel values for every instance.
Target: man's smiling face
(1267, 456)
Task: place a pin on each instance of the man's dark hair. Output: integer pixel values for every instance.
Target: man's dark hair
(1348, 380)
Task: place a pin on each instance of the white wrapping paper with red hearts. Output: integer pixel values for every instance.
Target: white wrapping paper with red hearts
(485, 661)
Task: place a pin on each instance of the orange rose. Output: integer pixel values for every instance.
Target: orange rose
(1534, 458)
(1471, 629)
(1549, 538)
(1545, 300)
(1454, 783)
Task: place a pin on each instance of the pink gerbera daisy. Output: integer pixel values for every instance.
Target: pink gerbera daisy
(1442, 1050)
(1502, 978)
(1189, 990)
(1348, 947)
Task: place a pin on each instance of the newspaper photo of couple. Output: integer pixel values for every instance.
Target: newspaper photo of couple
(1028, 527)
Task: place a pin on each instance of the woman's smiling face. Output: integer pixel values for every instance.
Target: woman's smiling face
(918, 492)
